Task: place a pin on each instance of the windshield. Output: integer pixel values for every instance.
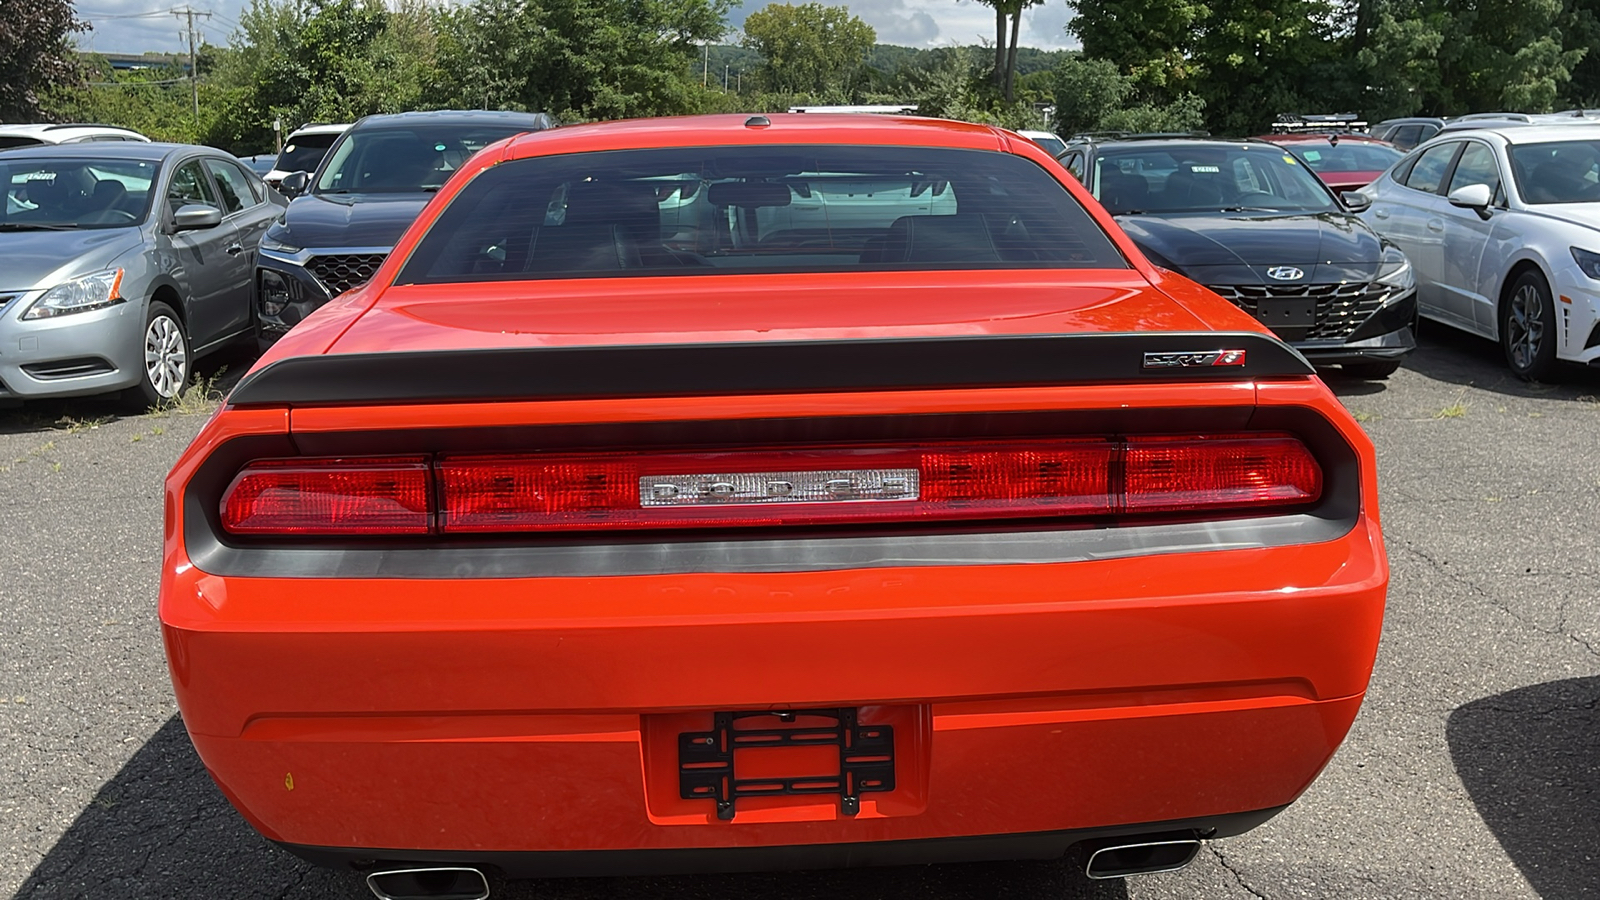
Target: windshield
(9, 141)
(54, 194)
(738, 210)
(405, 160)
(303, 152)
(1206, 178)
(1346, 156)
(1557, 172)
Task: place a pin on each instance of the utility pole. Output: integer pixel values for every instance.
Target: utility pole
(189, 12)
(705, 72)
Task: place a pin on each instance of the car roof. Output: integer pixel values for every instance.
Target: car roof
(777, 128)
(1304, 137)
(530, 121)
(46, 130)
(1519, 133)
(321, 128)
(136, 150)
(1179, 141)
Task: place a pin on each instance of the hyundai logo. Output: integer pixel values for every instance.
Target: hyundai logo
(1285, 273)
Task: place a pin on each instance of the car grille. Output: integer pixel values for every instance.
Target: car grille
(5, 299)
(341, 272)
(1340, 309)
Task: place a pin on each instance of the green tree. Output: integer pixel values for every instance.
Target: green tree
(35, 54)
(1151, 41)
(1091, 95)
(809, 47)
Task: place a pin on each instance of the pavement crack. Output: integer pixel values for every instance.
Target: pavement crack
(1234, 872)
(1474, 587)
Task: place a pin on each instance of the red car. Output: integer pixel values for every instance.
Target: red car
(1344, 162)
(737, 493)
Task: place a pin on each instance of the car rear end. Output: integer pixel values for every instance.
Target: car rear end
(900, 575)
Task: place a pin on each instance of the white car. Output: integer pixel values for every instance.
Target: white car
(35, 135)
(1502, 224)
(304, 149)
(1051, 142)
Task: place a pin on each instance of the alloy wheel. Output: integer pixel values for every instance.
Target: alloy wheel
(1525, 326)
(166, 360)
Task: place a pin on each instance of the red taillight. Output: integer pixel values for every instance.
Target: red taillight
(801, 487)
(743, 488)
(330, 496)
(1162, 474)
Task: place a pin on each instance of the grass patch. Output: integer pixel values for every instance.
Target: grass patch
(1455, 410)
(199, 398)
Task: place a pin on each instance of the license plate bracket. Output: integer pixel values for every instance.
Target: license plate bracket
(706, 768)
(1287, 312)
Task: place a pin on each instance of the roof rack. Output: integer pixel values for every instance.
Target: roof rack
(890, 109)
(86, 125)
(1294, 123)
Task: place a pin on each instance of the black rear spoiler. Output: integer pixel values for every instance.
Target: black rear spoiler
(767, 367)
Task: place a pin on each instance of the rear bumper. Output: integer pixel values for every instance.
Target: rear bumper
(466, 719)
(535, 864)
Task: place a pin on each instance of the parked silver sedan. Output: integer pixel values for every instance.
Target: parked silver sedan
(120, 263)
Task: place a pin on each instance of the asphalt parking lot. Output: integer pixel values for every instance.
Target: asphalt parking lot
(1473, 770)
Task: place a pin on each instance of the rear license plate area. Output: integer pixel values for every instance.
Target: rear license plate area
(1287, 312)
(786, 753)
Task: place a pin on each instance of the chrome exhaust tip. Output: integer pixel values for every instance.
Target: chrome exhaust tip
(439, 883)
(1140, 855)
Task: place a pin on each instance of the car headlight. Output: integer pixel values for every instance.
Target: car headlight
(96, 291)
(1588, 262)
(275, 243)
(1395, 271)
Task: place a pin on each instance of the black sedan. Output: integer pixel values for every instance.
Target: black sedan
(1248, 221)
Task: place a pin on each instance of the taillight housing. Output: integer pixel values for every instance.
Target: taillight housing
(745, 488)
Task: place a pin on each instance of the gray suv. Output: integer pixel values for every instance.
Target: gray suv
(122, 262)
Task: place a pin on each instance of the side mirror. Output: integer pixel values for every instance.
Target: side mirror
(1472, 196)
(1355, 201)
(193, 217)
(294, 184)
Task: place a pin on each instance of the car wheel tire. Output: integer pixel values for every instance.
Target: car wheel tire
(1528, 328)
(1377, 371)
(166, 359)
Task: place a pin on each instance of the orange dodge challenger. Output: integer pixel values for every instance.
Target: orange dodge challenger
(763, 492)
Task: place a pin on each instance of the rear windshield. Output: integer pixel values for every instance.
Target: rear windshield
(1557, 172)
(709, 210)
(7, 142)
(303, 152)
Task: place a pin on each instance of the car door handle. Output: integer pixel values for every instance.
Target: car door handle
(1380, 213)
(234, 249)
(1436, 225)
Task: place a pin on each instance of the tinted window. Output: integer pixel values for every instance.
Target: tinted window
(8, 142)
(714, 210)
(1206, 177)
(1074, 164)
(1346, 156)
(1476, 166)
(303, 152)
(1557, 172)
(1407, 136)
(75, 193)
(232, 185)
(405, 160)
(1051, 146)
(1429, 169)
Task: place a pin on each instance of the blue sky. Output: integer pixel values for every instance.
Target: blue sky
(134, 26)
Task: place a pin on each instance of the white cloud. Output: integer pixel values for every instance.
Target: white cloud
(129, 26)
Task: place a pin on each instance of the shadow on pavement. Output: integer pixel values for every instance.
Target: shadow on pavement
(1530, 760)
(160, 828)
(1454, 356)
